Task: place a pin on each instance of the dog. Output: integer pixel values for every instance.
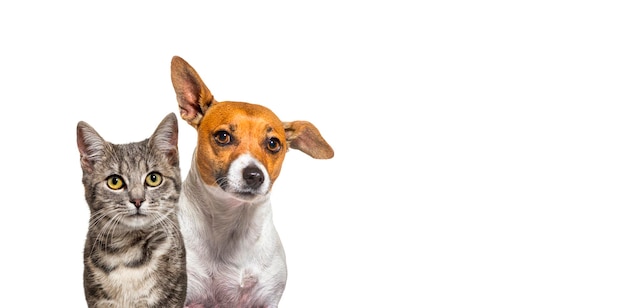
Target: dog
(234, 255)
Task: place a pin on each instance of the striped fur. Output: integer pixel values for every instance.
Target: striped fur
(134, 253)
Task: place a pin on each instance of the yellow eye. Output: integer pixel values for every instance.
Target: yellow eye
(154, 179)
(115, 182)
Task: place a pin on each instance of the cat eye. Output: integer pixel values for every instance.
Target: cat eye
(273, 144)
(154, 179)
(222, 137)
(115, 182)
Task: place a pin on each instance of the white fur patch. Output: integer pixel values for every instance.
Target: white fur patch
(235, 175)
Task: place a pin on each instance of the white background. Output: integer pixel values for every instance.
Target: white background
(480, 146)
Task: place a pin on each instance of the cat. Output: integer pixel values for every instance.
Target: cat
(134, 254)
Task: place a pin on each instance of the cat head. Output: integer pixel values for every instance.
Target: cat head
(135, 184)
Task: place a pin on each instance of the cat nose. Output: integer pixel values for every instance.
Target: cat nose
(138, 202)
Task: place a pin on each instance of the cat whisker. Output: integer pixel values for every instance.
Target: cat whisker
(164, 220)
(166, 225)
(124, 234)
(106, 232)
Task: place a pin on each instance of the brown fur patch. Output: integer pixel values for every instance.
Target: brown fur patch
(250, 127)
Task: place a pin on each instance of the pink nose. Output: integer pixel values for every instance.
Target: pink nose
(138, 202)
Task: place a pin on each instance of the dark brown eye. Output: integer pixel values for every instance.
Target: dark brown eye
(115, 182)
(222, 137)
(273, 144)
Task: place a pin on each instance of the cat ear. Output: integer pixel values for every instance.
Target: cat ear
(194, 98)
(90, 145)
(165, 138)
(304, 136)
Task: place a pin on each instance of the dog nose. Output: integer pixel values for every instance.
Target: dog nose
(253, 176)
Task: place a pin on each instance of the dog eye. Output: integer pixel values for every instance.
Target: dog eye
(115, 182)
(222, 137)
(273, 144)
(154, 179)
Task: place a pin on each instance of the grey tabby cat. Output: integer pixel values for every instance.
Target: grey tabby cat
(134, 253)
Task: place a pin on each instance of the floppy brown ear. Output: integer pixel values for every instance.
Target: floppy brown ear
(194, 98)
(304, 136)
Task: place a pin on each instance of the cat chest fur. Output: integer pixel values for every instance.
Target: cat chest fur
(134, 254)
(131, 270)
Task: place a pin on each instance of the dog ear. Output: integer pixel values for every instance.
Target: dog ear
(304, 136)
(193, 96)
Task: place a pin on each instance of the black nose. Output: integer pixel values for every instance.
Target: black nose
(253, 176)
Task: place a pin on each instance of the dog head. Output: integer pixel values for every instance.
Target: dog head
(241, 146)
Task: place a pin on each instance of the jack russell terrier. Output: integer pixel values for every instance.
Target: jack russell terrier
(234, 254)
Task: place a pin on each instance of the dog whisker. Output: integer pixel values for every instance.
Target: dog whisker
(228, 234)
